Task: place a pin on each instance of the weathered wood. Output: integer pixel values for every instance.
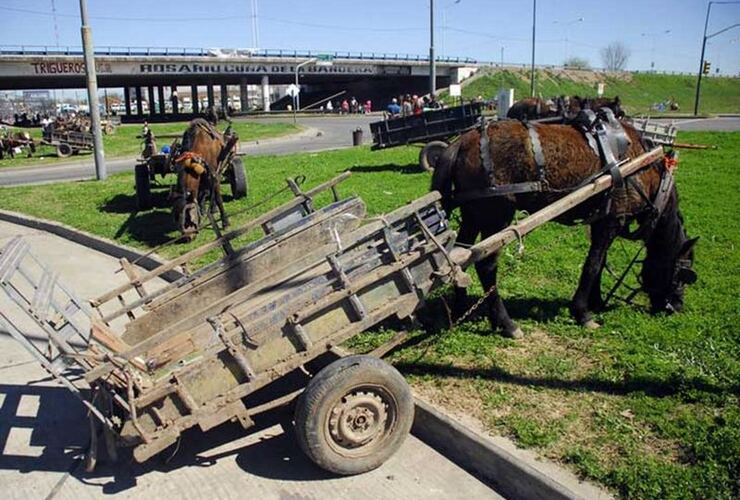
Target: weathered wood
(491, 244)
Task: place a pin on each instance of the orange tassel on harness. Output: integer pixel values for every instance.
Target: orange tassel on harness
(191, 161)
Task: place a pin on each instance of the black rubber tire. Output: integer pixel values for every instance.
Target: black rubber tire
(143, 187)
(372, 385)
(238, 179)
(64, 150)
(430, 153)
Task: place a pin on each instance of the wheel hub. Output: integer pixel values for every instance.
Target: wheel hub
(357, 419)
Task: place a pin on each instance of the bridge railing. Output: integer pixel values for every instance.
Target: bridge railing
(46, 50)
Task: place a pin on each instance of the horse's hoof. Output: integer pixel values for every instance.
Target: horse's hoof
(514, 334)
(591, 325)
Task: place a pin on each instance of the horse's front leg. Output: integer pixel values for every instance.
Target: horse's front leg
(497, 314)
(588, 293)
(466, 237)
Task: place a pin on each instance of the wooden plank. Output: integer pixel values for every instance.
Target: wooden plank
(491, 244)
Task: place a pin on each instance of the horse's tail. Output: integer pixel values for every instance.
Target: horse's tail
(442, 177)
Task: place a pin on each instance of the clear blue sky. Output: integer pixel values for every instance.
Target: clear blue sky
(475, 28)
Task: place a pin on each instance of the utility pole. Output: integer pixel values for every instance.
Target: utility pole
(432, 67)
(704, 47)
(92, 93)
(534, 26)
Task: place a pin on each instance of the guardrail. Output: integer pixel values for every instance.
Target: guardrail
(43, 50)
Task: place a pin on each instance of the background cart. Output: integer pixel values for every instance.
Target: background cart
(69, 142)
(154, 162)
(431, 128)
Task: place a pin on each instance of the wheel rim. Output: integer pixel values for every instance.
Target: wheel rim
(361, 421)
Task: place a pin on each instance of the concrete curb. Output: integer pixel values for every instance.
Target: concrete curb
(510, 475)
(88, 240)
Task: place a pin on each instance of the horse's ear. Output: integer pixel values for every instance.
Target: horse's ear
(617, 100)
(687, 246)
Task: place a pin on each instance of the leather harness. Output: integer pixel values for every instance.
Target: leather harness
(606, 138)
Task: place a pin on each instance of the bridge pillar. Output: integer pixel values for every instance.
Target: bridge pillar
(243, 95)
(266, 93)
(194, 98)
(139, 105)
(127, 100)
(152, 105)
(225, 97)
(160, 100)
(175, 99)
(211, 97)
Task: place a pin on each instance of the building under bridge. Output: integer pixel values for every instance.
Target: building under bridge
(150, 78)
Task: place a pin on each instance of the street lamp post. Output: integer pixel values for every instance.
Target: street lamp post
(566, 25)
(704, 47)
(432, 66)
(652, 45)
(534, 26)
(92, 93)
(297, 98)
(444, 26)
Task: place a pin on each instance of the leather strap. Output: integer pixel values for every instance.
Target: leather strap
(539, 156)
(493, 191)
(485, 154)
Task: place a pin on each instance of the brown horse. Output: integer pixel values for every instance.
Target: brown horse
(198, 178)
(11, 140)
(569, 161)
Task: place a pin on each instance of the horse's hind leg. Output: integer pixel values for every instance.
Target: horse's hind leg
(220, 203)
(588, 294)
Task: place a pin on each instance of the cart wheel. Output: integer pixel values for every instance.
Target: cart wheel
(354, 415)
(238, 179)
(64, 150)
(143, 187)
(430, 153)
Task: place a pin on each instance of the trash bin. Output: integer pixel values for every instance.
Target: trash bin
(357, 136)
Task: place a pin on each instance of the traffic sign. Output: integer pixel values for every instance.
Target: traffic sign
(324, 60)
(293, 90)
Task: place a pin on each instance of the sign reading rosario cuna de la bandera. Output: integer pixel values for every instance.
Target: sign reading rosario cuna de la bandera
(77, 67)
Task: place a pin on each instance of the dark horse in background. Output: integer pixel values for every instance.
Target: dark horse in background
(568, 161)
(535, 108)
(198, 179)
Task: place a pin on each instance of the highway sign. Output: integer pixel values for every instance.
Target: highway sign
(293, 90)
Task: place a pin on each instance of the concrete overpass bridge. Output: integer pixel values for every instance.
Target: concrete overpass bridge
(152, 75)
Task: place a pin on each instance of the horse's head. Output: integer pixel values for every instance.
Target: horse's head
(616, 106)
(186, 196)
(668, 267)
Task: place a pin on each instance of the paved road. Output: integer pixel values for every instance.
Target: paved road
(320, 133)
(43, 432)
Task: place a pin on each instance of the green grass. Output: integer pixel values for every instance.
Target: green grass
(646, 405)
(638, 91)
(124, 143)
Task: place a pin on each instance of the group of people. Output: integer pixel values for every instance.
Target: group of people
(407, 105)
(346, 107)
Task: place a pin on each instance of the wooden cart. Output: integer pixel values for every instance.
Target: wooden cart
(203, 349)
(68, 143)
(193, 352)
(431, 128)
